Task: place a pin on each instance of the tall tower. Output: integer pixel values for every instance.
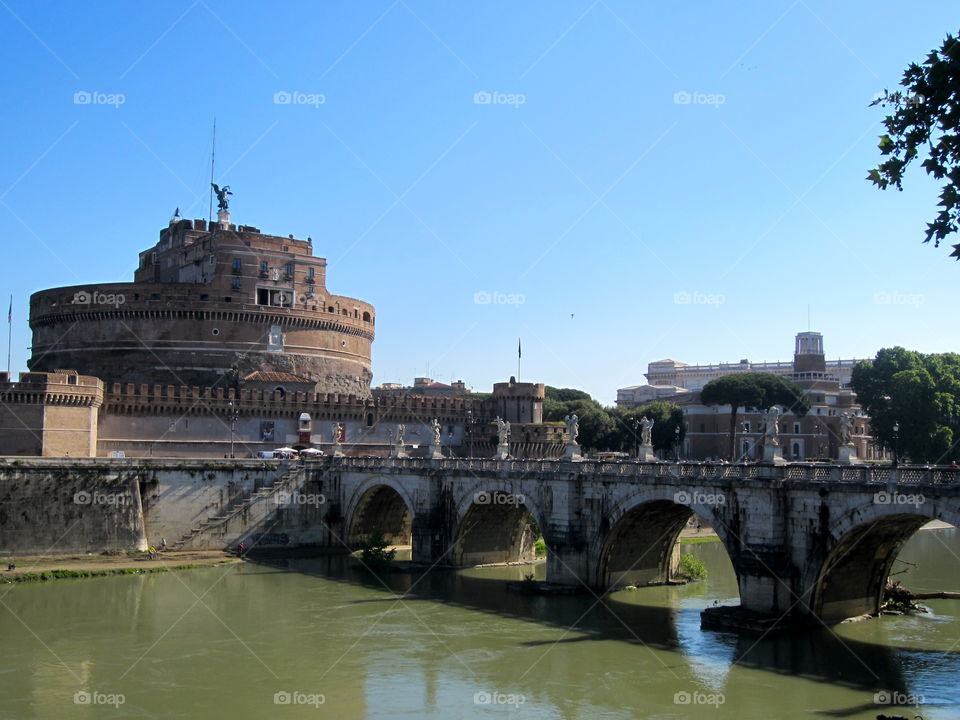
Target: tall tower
(808, 353)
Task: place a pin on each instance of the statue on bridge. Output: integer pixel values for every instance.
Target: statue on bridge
(503, 431)
(573, 427)
(771, 427)
(846, 428)
(435, 426)
(335, 433)
(646, 432)
(399, 436)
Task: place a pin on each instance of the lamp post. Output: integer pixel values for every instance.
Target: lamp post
(816, 430)
(896, 444)
(470, 431)
(233, 423)
(635, 424)
(676, 443)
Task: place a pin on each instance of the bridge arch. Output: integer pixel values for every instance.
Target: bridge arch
(380, 504)
(493, 525)
(848, 579)
(638, 543)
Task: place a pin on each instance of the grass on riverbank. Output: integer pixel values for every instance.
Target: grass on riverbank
(78, 567)
(77, 574)
(696, 540)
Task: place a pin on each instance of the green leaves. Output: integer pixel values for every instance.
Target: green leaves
(925, 119)
(918, 393)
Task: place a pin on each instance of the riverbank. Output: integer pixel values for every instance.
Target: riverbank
(60, 567)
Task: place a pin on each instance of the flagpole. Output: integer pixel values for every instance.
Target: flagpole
(9, 335)
(519, 355)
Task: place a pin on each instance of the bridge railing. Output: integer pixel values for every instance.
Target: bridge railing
(792, 473)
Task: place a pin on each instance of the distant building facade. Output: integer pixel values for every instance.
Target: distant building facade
(814, 436)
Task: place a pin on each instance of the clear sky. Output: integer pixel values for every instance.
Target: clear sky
(621, 181)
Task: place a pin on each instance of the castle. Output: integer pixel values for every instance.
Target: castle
(228, 342)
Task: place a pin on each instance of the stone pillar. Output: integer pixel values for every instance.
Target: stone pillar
(848, 455)
(503, 451)
(647, 454)
(773, 454)
(572, 452)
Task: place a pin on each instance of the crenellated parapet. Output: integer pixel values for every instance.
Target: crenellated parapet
(209, 305)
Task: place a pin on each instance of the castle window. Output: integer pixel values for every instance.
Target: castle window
(281, 393)
(288, 271)
(796, 451)
(227, 298)
(264, 268)
(204, 298)
(796, 428)
(330, 309)
(237, 266)
(235, 284)
(366, 317)
(311, 275)
(369, 419)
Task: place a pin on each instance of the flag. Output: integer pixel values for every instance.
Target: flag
(519, 353)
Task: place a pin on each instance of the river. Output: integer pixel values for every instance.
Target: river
(322, 638)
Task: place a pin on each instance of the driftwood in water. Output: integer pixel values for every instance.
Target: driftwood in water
(936, 596)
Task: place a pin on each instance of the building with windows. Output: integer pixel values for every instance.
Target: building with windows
(694, 377)
(816, 435)
(211, 305)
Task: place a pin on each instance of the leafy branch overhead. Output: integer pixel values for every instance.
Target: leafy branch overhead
(926, 120)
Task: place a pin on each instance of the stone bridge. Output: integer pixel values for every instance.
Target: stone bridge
(807, 541)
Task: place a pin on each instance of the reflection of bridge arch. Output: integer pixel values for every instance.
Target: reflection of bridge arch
(639, 546)
(861, 549)
(379, 505)
(493, 525)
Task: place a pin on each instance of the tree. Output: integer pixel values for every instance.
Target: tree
(918, 393)
(667, 417)
(756, 391)
(926, 119)
(596, 423)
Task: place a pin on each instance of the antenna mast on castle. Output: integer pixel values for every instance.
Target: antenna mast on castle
(213, 157)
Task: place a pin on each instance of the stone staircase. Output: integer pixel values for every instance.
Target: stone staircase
(287, 482)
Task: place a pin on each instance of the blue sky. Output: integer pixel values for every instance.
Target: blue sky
(646, 180)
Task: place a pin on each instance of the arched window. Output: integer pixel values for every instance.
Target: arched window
(796, 451)
(369, 419)
(366, 317)
(281, 393)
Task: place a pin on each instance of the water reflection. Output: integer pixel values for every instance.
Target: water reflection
(222, 642)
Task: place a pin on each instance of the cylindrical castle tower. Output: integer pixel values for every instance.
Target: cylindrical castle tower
(219, 306)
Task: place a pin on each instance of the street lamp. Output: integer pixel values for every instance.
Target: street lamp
(635, 424)
(896, 444)
(470, 431)
(233, 423)
(676, 442)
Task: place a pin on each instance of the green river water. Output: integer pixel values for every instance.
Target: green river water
(321, 638)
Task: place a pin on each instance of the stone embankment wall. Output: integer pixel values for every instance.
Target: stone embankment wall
(57, 507)
(68, 506)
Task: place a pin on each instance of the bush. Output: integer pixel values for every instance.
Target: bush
(692, 568)
(374, 553)
(540, 548)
